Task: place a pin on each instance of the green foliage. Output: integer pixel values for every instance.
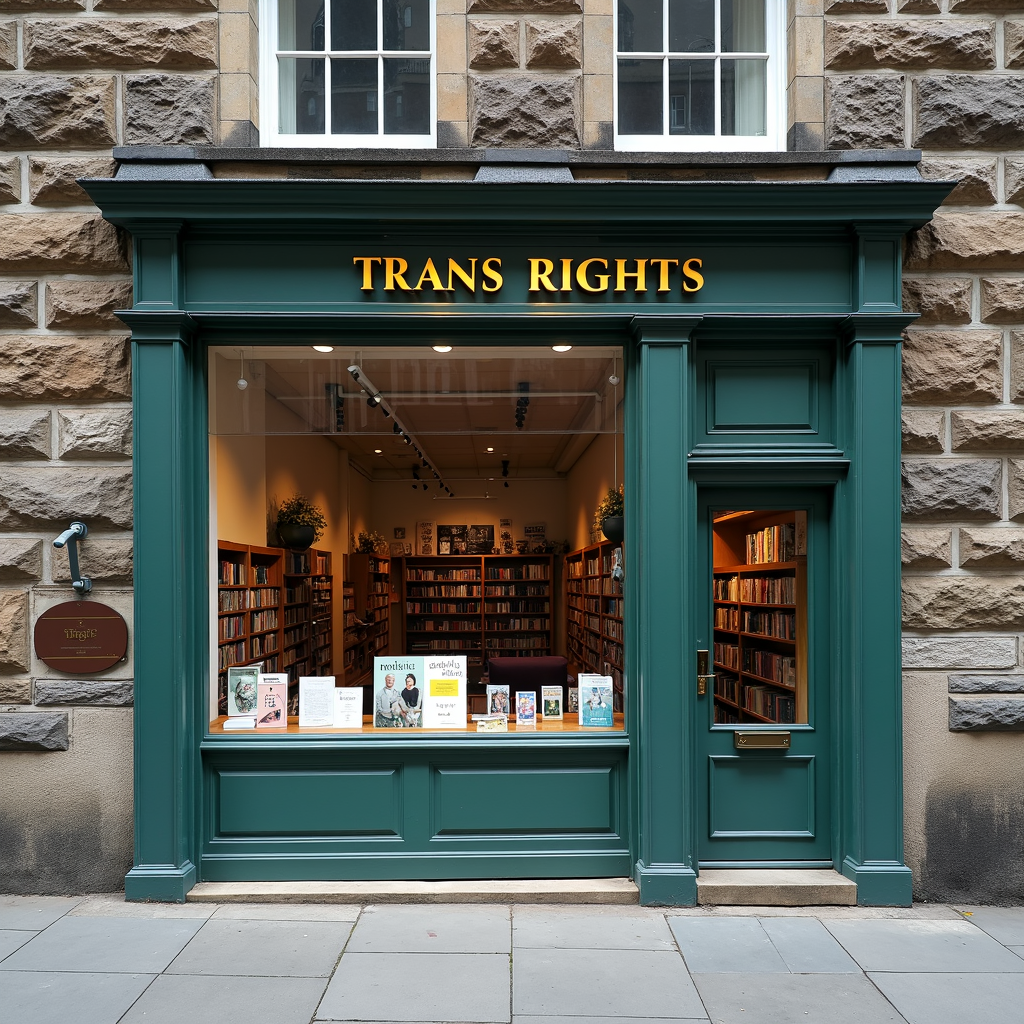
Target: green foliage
(371, 543)
(298, 510)
(613, 504)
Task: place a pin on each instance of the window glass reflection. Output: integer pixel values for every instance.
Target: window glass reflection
(743, 26)
(691, 96)
(640, 97)
(354, 97)
(353, 24)
(301, 84)
(691, 26)
(300, 25)
(406, 96)
(744, 92)
(406, 24)
(640, 26)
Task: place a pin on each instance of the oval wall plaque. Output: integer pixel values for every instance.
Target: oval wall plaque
(81, 636)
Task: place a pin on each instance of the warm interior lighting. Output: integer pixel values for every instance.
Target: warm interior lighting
(561, 348)
(441, 348)
(323, 348)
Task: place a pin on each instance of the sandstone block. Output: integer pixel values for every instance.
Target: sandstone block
(1013, 180)
(1013, 43)
(926, 549)
(60, 44)
(21, 558)
(53, 180)
(47, 496)
(952, 366)
(14, 631)
(56, 110)
(554, 44)
(983, 430)
(939, 300)
(10, 180)
(1015, 489)
(963, 602)
(24, 434)
(493, 44)
(18, 304)
(977, 241)
(986, 652)
(986, 683)
(864, 111)
(120, 6)
(1002, 300)
(940, 489)
(74, 305)
(917, 6)
(169, 109)
(856, 6)
(87, 434)
(527, 6)
(977, 179)
(913, 44)
(103, 693)
(530, 111)
(20, 6)
(1016, 366)
(963, 111)
(8, 45)
(986, 714)
(102, 558)
(923, 431)
(44, 730)
(72, 242)
(64, 367)
(991, 549)
(15, 690)
(969, 6)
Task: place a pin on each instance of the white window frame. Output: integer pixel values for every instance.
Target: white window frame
(774, 139)
(270, 134)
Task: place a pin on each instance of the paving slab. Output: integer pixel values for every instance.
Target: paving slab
(1019, 950)
(794, 999)
(115, 905)
(11, 940)
(586, 983)
(521, 1018)
(34, 913)
(590, 928)
(280, 949)
(283, 912)
(908, 947)
(954, 998)
(434, 928)
(395, 987)
(1004, 924)
(807, 946)
(110, 945)
(726, 945)
(922, 911)
(177, 999)
(43, 997)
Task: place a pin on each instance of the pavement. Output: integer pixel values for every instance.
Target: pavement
(99, 960)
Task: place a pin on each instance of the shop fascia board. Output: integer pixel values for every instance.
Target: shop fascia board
(316, 208)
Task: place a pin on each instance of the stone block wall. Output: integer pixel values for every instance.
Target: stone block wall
(948, 76)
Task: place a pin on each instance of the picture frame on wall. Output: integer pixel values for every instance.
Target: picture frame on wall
(452, 539)
(425, 539)
(480, 539)
(506, 541)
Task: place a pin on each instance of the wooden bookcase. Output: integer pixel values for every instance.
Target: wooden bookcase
(759, 596)
(478, 605)
(273, 606)
(594, 607)
(370, 580)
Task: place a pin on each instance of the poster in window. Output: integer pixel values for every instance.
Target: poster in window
(480, 540)
(452, 539)
(425, 539)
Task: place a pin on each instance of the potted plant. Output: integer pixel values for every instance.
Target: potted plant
(300, 523)
(610, 515)
(371, 543)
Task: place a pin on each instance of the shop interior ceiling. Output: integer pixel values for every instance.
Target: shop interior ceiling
(457, 405)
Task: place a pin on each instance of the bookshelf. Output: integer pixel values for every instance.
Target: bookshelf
(594, 608)
(478, 605)
(370, 580)
(273, 606)
(759, 599)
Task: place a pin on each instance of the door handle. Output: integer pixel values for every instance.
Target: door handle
(702, 673)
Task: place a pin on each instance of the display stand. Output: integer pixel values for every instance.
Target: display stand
(594, 608)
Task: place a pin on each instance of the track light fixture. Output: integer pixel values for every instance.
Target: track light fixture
(522, 404)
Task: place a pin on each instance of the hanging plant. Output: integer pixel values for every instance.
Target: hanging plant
(300, 523)
(610, 515)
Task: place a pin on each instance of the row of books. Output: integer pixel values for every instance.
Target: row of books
(761, 700)
(462, 590)
(780, 667)
(518, 624)
(772, 544)
(781, 625)
(727, 655)
(521, 643)
(444, 625)
(442, 574)
(755, 589)
(231, 574)
(727, 618)
(298, 594)
(510, 607)
(443, 607)
(515, 590)
(529, 571)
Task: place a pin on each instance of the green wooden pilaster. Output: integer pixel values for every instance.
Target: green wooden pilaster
(659, 526)
(870, 712)
(166, 545)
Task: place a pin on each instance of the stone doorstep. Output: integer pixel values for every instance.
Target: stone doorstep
(775, 887)
(504, 891)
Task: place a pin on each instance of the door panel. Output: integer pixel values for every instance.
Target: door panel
(764, 602)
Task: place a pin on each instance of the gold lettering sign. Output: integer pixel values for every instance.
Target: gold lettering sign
(594, 275)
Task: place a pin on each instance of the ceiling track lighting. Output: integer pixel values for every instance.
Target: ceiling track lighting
(376, 400)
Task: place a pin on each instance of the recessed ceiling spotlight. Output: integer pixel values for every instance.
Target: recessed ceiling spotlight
(490, 449)
(323, 348)
(441, 348)
(561, 348)
(378, 451)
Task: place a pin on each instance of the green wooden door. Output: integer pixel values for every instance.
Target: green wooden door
(763, 606)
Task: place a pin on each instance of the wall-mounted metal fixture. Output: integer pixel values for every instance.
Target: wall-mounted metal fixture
(70, 537)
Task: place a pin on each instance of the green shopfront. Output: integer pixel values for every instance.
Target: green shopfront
(758, 330)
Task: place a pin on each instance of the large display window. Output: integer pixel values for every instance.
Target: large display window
(409, 540)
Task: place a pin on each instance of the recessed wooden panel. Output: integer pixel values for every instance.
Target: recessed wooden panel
(770, 396)
(314, 803)
(514, 801)
(765, 796)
